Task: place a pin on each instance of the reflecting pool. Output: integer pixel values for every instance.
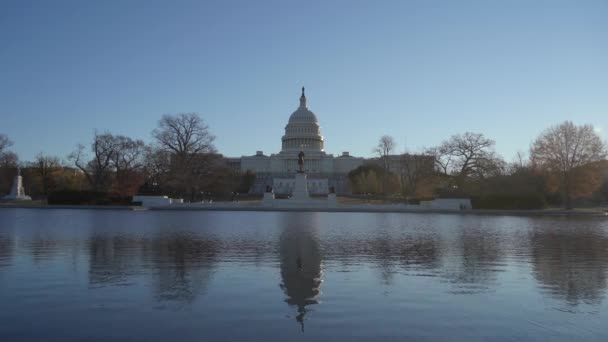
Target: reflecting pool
(104, 275)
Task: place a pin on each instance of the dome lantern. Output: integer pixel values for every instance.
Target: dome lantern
(303, 99)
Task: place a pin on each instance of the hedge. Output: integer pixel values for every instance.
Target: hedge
(523, 201)
(75, 197)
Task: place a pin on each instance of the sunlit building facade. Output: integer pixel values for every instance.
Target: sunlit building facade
(325, 172)
(302, 133)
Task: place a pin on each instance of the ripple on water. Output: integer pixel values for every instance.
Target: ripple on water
(323, 276)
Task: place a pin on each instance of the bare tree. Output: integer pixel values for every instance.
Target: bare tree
(185, 135)
(564, 149)
(520, 159)
(186, 138)
(413, 170)
(157, 165)
(467, 155)
(116, 159)
(473, 153)
(520, 162)
(5, 143)
(443, 158)
(385, 146)
(44, 166)
(97, 170)
(127, 162)
(8, 162)
(128, 153)
(9, 159)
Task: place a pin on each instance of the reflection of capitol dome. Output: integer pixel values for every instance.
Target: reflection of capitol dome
(300, 265)
(302, 131)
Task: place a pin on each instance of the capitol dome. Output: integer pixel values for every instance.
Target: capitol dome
(302, 114)
(302, 131)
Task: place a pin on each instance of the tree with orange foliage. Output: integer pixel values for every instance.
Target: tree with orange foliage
(568, 154)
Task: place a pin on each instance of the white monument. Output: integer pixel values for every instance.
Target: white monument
(300, 188)
(17, 192)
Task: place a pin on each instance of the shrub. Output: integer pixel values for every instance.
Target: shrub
(86, 197)
(511, 201)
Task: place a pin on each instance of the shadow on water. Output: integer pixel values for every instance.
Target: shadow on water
(300, 262)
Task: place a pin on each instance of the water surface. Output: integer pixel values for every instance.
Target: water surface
(97, 275)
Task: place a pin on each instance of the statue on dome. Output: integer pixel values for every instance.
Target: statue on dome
(303, 99)
(301, 161)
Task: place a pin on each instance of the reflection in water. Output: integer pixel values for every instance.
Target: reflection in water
(182, 262)
(571, 263)
(438, 271)
(44, 248)
(472, 265)
(383, 249)
(422, 251)
(390, 250)
(6, 250)
(300, 257)
(113, 258)
(184, 265)
(413, 252)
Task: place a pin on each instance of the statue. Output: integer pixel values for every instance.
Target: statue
(301, 161)
(17, 191)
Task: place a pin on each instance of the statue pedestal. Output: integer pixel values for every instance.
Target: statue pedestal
(268, 199)
(300, 189)
(332, 200)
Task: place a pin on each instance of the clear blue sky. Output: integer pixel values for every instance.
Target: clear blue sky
(417, 70)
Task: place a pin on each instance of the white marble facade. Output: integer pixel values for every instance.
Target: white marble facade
(302, 133)
(285, 186)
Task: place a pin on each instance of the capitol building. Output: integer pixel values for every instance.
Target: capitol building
(302, 133)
